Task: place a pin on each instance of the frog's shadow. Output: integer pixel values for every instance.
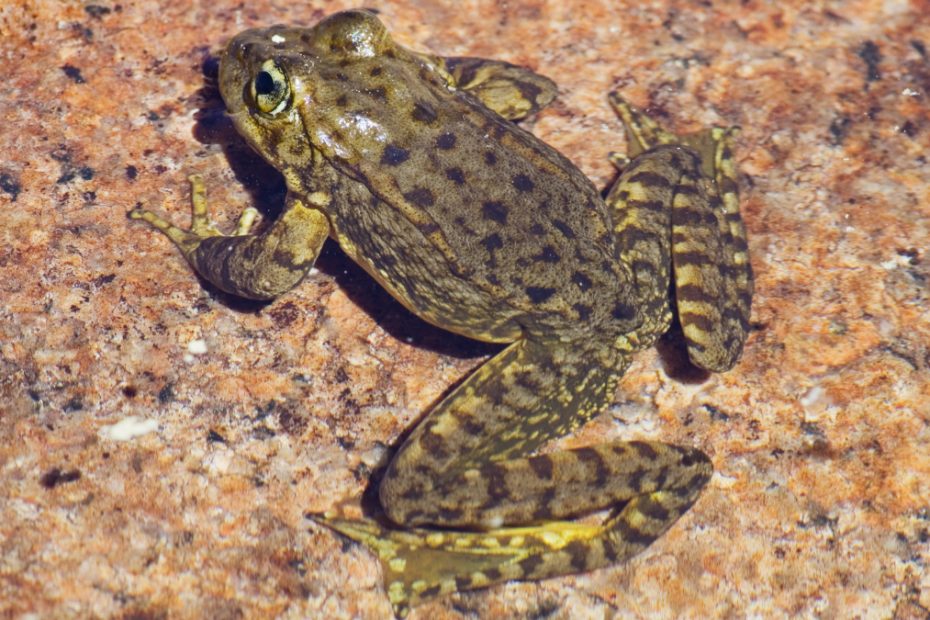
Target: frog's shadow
(267, 190)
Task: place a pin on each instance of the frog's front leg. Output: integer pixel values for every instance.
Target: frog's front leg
(254, 266)
(469, 465)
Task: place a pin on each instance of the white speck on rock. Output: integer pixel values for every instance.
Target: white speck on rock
(812, 397)
(127, 429)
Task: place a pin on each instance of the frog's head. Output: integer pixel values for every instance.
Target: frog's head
(286, 88)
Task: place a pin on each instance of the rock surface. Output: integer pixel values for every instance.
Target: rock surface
(160, 443)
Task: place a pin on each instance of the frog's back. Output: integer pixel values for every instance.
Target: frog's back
(500, 232)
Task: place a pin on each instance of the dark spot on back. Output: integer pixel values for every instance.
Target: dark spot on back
(582, 281)
(492, 242)
(592, 458)
(375, 71)
(428, 228)
(446, 141)
(564, 228)
(456, 176)
(584, 312)
(423, 112)
(543, 510)
(496, 211)
(523, 183)
(421, 197)
(548, 255)
(394, 155)
(538, 230)
(342, 101)
(539, 294)
(490, 158)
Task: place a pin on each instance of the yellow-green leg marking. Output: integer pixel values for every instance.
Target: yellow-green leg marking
(709, 252)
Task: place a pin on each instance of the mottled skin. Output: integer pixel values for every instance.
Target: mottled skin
(412, 163)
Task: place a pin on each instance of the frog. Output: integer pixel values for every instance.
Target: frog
(416, 166)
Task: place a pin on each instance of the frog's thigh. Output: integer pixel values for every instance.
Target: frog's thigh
(511, 91)
(453, 469)
(255, 266)
(468, 463)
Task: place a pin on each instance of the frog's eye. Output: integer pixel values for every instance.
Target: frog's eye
(270, 90)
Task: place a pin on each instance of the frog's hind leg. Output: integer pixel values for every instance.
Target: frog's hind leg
(711, 270)
(472, 464)
(254, 266)
(509, 90)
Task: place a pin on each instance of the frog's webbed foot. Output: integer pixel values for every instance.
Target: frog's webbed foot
(418, 564)
(254, 266)
(713, 145)
(710, 262)
(511, 91)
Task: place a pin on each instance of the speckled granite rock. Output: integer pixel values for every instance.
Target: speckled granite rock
(160, 443)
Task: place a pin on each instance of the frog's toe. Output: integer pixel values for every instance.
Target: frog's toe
(642, 131)
(187, 240)
(619, 160)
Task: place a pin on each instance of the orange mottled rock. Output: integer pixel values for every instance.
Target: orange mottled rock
(820, 437)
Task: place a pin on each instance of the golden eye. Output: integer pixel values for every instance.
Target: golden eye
(270, 90)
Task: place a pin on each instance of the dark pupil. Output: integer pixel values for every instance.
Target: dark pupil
(264, 84)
